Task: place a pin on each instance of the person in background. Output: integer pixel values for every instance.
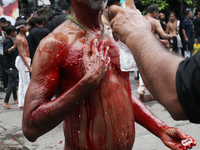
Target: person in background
(66, 9)
(22, 61)
(172, 28)
(187, 28)
(10, 53)
(37, 34)
(158, 67)
(2, 64)
(33, 26)
(197, 26)
(11, 19)
(162, 20)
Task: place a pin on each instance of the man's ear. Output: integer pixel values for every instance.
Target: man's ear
(106, 9)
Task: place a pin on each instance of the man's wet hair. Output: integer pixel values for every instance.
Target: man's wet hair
(152, 8)
(1, 3)
(9, 29)
(111, 2)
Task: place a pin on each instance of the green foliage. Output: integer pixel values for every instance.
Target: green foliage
(163, 4)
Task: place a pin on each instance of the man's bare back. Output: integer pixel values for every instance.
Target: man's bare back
(22, 40)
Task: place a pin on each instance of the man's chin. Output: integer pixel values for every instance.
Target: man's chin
(97, 4)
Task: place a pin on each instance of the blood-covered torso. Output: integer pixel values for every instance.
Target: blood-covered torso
(104, 120)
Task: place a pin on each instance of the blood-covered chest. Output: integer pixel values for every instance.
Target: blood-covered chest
(72, 66)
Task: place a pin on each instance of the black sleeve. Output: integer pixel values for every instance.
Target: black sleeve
(6, 45)
(188, 87)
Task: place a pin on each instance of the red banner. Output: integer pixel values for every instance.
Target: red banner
(9, 10)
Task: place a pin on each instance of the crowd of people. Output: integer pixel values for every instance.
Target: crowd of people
(178, 36)
(18, 44)
(69, 63)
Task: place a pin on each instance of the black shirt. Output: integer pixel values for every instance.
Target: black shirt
(36, 36)
(57, 21)
(196, 23)
(9, 58)
(31, 44)
(188, 87)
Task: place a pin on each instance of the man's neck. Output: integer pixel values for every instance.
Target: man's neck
(21, 33)
(10, 36)
(88, 19)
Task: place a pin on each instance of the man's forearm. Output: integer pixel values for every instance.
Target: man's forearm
(44, 116)
(145, 118)
(157, 66)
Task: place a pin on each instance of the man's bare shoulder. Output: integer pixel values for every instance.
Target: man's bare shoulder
(18, 38)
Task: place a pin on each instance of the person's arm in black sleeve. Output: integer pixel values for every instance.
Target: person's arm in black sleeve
(188, 86)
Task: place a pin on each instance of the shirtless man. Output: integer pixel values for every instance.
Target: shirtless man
(171, 29)
(98, 111)
(22, 61)
(152, 16)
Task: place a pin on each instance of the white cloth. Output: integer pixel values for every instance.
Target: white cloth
(24, 79)
(179, 43)
(11, 19)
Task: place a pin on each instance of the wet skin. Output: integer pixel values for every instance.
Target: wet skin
(98, 111)
(104, 119)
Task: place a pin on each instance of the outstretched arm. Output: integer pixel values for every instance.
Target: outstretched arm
(157, 66)
(41, 114)
(162, 32)
(171, 137)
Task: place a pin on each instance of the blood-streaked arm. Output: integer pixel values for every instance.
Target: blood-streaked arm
(170, 136)
(41, 114)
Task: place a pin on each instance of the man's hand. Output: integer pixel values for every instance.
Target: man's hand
(175, 139)
(127, 21)
(95, 61)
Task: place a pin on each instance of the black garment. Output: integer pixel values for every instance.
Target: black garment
(31, 45)
(188, 87)
(3, 72)
(174, 44)
(12, 84)
(163, 25)
(10, 69)
(57, 21)
(196, 23)
(37, 35)
(9, 59)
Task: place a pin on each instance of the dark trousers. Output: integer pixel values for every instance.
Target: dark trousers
(12, 84)
(4, 75)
